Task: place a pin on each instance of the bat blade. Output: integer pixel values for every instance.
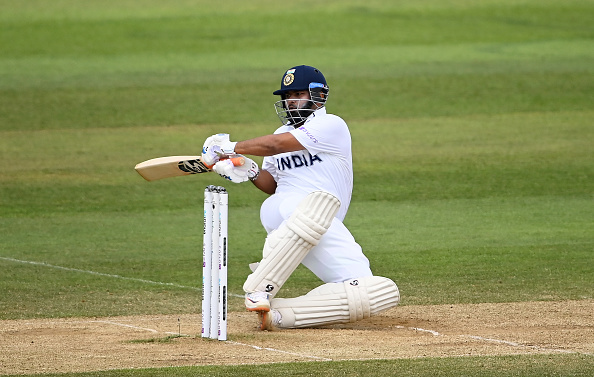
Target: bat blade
(175, 166)
(171, 166)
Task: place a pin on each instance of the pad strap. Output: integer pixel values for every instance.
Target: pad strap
(335, 303)
(286, 247)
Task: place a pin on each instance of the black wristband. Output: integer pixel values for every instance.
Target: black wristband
(255, 176)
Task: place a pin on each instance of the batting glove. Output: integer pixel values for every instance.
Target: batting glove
(215, 147)
(237, 174)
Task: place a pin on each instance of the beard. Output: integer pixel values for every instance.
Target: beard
(297, 116)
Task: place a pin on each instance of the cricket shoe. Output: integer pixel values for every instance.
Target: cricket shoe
(257, 302)
(269, 320)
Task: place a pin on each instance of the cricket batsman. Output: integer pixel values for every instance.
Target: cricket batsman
(308, 172)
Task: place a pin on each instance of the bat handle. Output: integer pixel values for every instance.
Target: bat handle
(237, 161)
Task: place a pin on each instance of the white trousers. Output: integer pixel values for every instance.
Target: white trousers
(337, 258)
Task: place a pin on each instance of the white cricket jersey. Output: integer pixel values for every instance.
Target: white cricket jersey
(325, 164)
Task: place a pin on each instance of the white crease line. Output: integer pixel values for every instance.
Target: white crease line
(230, 342)
(98, 273)
(124, 325)
(280, 351)
(514, 344)
(108, 275)
(138, 328)
(434, 333)
(500, 341)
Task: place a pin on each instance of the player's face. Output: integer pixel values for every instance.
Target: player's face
(296, 99)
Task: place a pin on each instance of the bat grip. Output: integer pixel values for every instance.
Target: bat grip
(237, 161)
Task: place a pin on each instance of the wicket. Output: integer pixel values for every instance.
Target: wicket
(214, 265)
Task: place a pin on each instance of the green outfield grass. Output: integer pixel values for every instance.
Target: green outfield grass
(472, 123)
(537, 366)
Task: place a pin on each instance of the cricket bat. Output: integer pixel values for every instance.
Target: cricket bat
(176, 166)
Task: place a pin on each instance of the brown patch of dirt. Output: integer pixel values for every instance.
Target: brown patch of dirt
(90, 344)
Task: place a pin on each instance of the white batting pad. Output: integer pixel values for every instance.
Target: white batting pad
(335, 303)
(286, 247)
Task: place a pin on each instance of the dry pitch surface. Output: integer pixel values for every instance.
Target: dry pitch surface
(89, 344)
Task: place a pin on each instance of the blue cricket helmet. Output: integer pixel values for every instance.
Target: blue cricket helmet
(300, 78)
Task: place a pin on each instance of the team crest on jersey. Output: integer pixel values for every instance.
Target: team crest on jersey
(289, 78)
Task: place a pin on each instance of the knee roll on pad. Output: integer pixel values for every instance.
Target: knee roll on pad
(335, 303)
(286, 247)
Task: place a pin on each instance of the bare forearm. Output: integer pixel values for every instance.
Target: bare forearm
(268, 145)
(265, 182)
